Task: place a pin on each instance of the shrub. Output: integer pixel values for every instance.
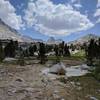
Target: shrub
(61, 71)
(21, 58)
(1, 52)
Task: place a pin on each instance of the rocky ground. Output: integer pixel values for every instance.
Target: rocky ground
(28, 83)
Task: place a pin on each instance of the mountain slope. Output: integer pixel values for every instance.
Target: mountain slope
(84, 39)
(52, 40)
(6, 32)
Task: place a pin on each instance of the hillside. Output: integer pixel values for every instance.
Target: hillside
(84, 39)
(52, 40)
(6, 32)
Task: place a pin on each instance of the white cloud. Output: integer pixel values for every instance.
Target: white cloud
(78, 6)
(20, 6)
(53, 20)
(97, 14)
(9, 16)
(74, 1)
(29, 14)
(98, 4)
(98, 21)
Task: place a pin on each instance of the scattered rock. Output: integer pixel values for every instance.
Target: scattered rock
(73, 84)
(56, 91)
(10, 74)
(98, 90)
(62, 99)
(78, 84)
(93, 98)
(29, 89)
(18, 83)
(19, 80)
(79, 88)
(56, 96)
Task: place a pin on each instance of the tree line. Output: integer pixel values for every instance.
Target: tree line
(12, 48)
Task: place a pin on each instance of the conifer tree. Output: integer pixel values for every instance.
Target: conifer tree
(91, 51)
(49, 48)
(72, 47)
(10, 49)
(35, 47)
(99, 49)
(21, 60)
(61, 48)
(66, 51)
(42, 53)
(56, 49)
(31, 51)
(1, 52)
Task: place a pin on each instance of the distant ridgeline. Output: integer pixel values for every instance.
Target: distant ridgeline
(7, 33)
(84, 39)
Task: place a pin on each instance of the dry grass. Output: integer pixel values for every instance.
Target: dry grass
(89, 87)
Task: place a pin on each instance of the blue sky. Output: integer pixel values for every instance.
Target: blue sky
(62, 19)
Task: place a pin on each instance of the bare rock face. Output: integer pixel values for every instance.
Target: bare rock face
(59, 69)
(9, 33)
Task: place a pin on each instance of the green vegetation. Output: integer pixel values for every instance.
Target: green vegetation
(80, 53)
(67, 58)
(96, 71)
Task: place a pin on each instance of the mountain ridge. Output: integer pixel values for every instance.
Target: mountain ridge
(52, 40)
(84, 39)
(6, 32)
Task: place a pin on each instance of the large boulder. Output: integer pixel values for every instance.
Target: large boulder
(59, 69)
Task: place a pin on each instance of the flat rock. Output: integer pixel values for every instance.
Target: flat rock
(9, 59)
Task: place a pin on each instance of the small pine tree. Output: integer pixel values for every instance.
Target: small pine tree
(66, 51)
(10, 49)
(31, 51)
(97, 66)
(49, 48)
(61, 48)
(42, 53)
(1, 52)
(56, 49)
(35, 48)
(72, 47)
(21, 60)
(99, 49)
(91, 52)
